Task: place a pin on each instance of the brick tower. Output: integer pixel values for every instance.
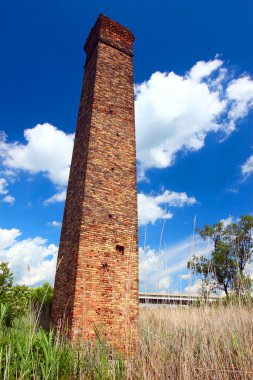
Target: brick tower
(96, 283)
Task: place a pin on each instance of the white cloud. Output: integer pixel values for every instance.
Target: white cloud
(175, 113)
(31, 260)
(150, 207)
(149, 210)
(3, 185)
(3, 191)
(58, 197)
(240, 93)
(54, 223)
(185, 276)
(232, 190)
(175, 199)
(204, 69)
(8, 237)
(249, 270)
(227, 221)
(9, 199)
(193, 289)
(247, 167)
(48, 150)
(158, 268)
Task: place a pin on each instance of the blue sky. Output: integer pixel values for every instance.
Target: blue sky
(194, 97)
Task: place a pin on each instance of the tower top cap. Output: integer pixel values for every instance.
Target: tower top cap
(111, 33)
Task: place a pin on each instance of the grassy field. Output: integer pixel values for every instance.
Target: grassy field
(174, 343)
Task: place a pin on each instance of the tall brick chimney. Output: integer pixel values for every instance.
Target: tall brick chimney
(96, 283)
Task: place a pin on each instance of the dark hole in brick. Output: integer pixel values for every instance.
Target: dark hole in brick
(105, 266)
(118, 134)
(112, 169)
(111, 112)
(120, 249)
(110, 215)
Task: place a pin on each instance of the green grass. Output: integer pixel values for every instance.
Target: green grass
(28, 352)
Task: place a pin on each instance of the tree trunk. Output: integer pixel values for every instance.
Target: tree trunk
(225, 287)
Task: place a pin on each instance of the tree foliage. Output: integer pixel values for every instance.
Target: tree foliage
(225, 269)
(13, 297)
(19, 298)
(42, 295)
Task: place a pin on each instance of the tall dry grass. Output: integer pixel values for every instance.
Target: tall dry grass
(208, 342)
(179, 343)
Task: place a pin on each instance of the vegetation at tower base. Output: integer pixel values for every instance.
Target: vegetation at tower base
(187, 343)
(203, 343)
(225, 269)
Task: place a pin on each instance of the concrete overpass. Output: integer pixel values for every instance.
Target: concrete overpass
(171, 298)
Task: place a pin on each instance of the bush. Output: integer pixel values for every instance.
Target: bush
(233, 299)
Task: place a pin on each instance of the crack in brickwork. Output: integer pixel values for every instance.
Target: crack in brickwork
(96, 283)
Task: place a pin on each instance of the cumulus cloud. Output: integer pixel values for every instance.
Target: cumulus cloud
(175, 113)
(227, 221)
(152, 208)
(56, 198)
(9, 199)
(31, 260)
(204, 69)
(233, 190)
(3, 185)
(54, 223)
(240, 93)
(193, 289)
(47, 150)
(249, 270)
(185, 276)
(247, 167)
(149, 210)
(8, 237)
(3, 191)
(158, 267)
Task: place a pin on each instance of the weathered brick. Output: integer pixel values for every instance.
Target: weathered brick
(96, 281)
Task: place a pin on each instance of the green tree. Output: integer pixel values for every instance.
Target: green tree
(6, 281)
(42, 295)
(15, 298)
(232, 251)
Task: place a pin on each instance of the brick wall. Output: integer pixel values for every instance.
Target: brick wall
(96, 280)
